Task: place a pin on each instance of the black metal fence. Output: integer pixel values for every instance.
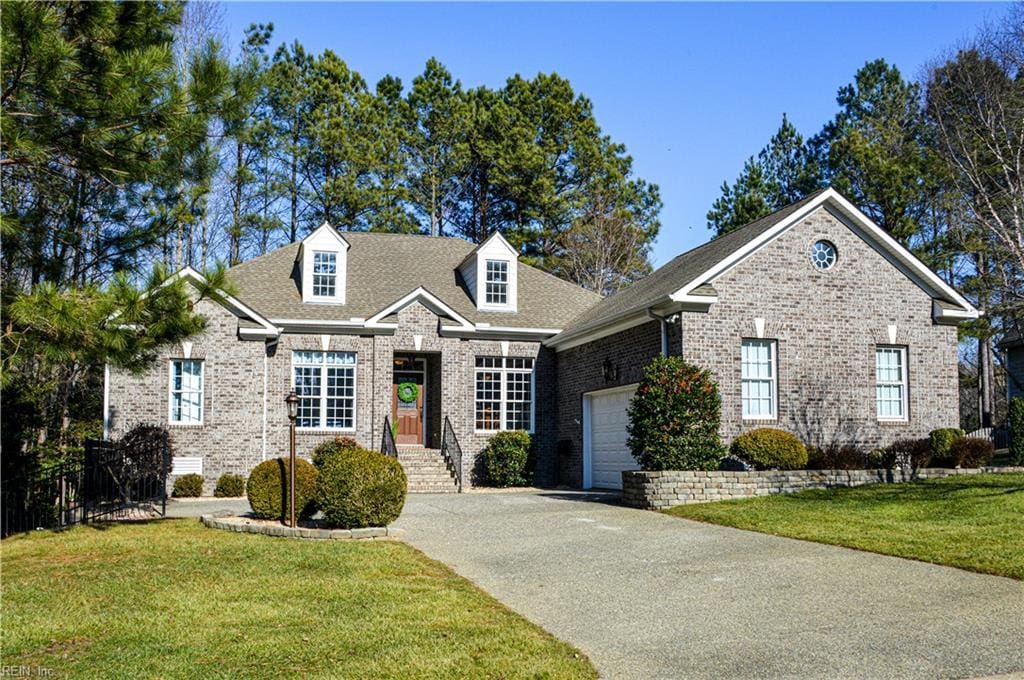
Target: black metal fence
(113, 480)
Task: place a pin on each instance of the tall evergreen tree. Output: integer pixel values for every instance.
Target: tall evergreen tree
(288, 83)
(783, 172)
(873, 151)
(437, 124)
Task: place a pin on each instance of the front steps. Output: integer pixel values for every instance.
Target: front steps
(426, 470)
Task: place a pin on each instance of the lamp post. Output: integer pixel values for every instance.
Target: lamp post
(293, 412)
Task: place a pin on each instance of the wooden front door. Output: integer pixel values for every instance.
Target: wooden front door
(408, 414)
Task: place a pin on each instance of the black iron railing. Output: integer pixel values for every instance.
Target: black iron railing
(113, 480)
(452, 452)
(387, 440)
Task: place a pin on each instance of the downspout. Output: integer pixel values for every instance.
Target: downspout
(266, 386)
(106, 402)
(663, 325)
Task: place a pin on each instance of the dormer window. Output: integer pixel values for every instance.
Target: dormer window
(325, 274)
(491, 275)
(497, 282)
(323, 264)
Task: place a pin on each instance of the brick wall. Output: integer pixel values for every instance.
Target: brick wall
(580, 370)
(231, 438)
(827, 325)
(660, 490)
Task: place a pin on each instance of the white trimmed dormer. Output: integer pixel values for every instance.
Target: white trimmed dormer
(491, 275)
(323, 264)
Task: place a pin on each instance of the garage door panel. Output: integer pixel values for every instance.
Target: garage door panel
(609, 453)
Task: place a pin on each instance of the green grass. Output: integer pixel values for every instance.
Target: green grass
(972, 522)
(172, 599)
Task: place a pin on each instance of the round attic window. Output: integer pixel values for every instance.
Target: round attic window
(823, 255)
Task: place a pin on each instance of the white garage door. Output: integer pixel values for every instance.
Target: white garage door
(605, 419)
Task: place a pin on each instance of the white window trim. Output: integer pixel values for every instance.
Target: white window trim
(511, 285)
(505, 284)
(170, 395)
(337, 257)
(504, 371)
(904, 385)
(323, 392)
(773, 347)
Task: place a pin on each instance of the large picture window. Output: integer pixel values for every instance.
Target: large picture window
(326, 385)
(325, 274)
(497, 282)
(186, 406)
(504, 394)
(891, 383)
(758, 379)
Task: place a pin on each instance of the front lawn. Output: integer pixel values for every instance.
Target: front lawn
(973, 522)
(172, 599)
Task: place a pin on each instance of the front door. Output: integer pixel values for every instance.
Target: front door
(407, 399)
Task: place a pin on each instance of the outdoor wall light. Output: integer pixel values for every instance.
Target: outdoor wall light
(610, 371)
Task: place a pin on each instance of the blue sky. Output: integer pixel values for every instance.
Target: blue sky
(692, 90)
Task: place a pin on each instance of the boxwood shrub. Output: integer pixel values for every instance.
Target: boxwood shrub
(267, 489)
(332, 446)
(230, 486)
(674, 417)
(971, 452)
(941, 441)
(359, 488)
(507, 458)
(767, 448)
(188, 486)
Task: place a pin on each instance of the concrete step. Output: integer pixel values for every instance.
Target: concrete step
(423, 466)
(437, 477)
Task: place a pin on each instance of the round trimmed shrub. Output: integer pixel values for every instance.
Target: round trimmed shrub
(768, 448)
(359, 488)
(268, 488)
(971, 452)
(230, 486)
(507, 458)
(674, 417)
(330, 447)
(188, 486)
(942, 440)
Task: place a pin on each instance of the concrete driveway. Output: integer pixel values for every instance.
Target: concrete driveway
(650, 596)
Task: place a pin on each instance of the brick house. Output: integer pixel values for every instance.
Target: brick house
(811, 319)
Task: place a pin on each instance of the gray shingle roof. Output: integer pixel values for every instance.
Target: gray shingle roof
(383, 268)
(678, 272)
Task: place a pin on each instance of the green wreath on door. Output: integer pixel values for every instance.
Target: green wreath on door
(408, 392)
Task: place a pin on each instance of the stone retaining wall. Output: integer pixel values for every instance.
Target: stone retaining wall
(665, 489)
